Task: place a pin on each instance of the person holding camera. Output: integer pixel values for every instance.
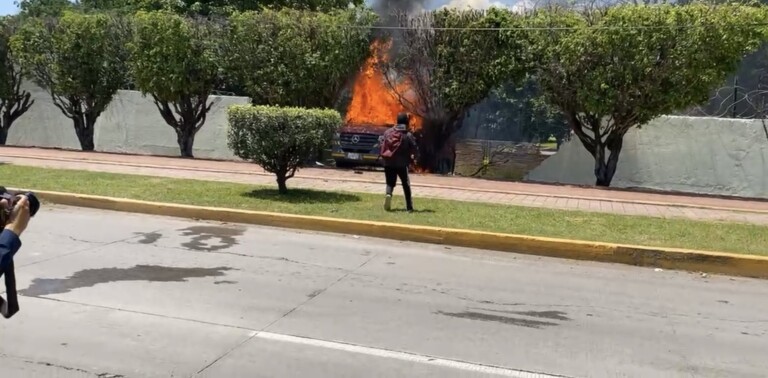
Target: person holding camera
(15, 212)
(10, 237)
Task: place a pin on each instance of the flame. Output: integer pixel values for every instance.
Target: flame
(373, 101)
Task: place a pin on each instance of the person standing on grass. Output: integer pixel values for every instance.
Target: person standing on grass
(398, 147)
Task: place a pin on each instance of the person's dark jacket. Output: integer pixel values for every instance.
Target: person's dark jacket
(402, 157)
(9, 245)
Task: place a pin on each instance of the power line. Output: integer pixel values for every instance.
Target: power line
(545, 28)
(536, 28)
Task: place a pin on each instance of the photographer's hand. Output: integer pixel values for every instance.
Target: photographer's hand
(19, 217)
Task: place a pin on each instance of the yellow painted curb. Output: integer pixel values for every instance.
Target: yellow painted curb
(667, 258)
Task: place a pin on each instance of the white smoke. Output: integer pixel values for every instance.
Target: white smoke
(519, 6)
(475, 4)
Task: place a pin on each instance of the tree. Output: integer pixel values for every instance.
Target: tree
(43, 8)
(296, 58)
(609, 70)
(526, 106)
(80, 60)
(278, 139)
(213, 7)
(230, 6)
(175, 60)
(443, 62)
(14, 101)
(313, 5)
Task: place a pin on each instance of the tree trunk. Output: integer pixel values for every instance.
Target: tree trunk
(605, 169)
(84, 127)
(5, 126)
(432, 138)
(191, 113)
(186, 140)
(282, 180)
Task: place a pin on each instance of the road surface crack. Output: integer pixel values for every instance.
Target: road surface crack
(63, 367)
(310, 298)
(413, 288)
(94, 246)
(274, 258)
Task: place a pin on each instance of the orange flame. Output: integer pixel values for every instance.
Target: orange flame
(373, 101)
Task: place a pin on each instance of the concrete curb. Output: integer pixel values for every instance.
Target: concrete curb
(364, 181)
(667, 258)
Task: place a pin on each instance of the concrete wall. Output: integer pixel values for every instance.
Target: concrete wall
(696, 155)
(699, 155)
(130, 124)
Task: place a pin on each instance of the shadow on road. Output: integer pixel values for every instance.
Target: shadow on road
(298, 196)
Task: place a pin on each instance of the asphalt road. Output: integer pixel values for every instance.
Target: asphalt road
(122, 295)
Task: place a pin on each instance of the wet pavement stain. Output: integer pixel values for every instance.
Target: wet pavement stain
(551, 315)
(225, 282)
(201, 235)
(528, 323)
(93, 277)
(148, 237)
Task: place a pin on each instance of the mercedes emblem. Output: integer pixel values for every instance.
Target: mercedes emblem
(355, 139)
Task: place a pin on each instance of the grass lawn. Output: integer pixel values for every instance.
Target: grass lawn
(713, 236)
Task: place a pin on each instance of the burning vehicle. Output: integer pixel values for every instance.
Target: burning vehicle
(357, 145)
(372, 110)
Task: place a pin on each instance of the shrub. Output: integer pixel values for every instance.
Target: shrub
(278, 139)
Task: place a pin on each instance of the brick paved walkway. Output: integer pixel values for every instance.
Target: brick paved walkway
(456, 188)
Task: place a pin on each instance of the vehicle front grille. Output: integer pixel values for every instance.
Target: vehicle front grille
(358, 142)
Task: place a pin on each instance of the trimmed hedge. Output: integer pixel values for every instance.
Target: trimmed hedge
(279, 139)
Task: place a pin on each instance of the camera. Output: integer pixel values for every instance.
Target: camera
(13, 198)
(11, 306)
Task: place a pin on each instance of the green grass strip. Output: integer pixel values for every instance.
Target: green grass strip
(611, 228)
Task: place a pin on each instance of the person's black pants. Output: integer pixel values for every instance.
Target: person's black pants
(10, 307)
(391, 174)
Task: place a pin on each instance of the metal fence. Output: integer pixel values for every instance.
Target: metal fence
(743, 95)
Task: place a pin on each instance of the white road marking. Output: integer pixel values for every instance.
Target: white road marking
(404, 356)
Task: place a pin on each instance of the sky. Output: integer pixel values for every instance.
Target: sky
(7, 6)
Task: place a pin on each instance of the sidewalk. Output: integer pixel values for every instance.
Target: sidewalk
(454, 188)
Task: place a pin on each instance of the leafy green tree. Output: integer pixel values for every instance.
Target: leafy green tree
(313, 5)
(443, 63)
(613, 69)
(43, 8)
(296, 58)
(212, 7)
(175, 60)
(524, 105)
(230, 6)
(80, 60)
(14, 100)
(278, 139)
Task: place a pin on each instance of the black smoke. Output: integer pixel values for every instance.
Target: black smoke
(388, 10)
(384, 6)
